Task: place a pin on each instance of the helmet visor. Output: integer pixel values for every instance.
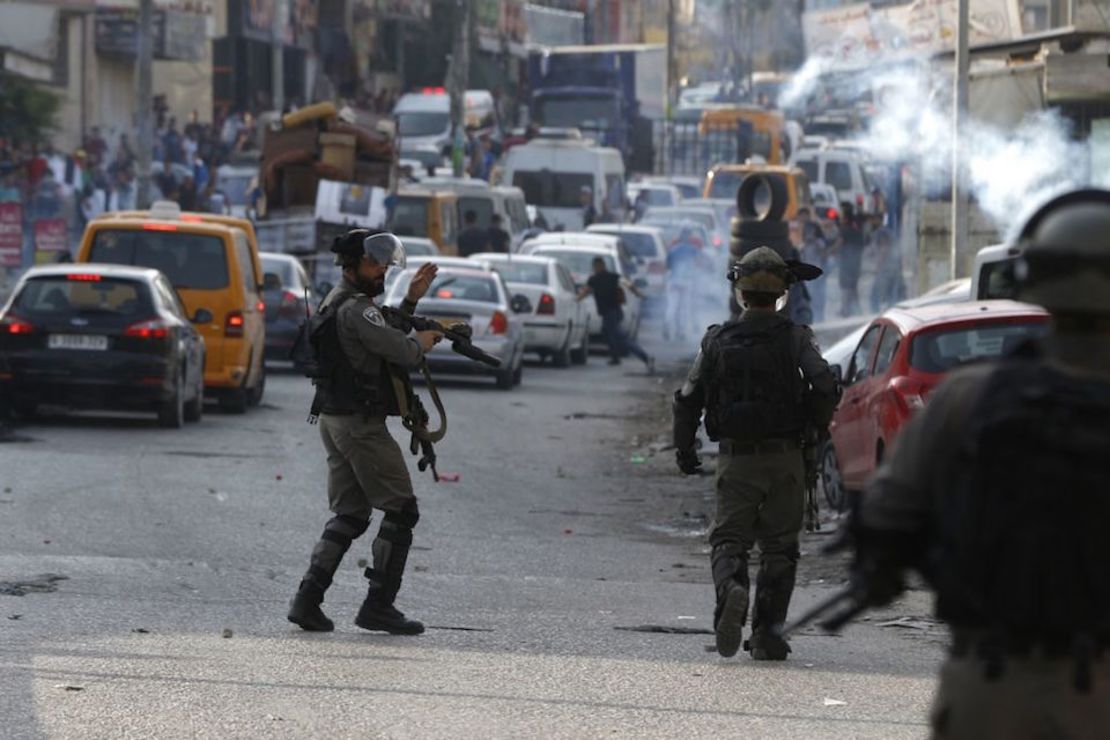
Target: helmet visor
(385, 250)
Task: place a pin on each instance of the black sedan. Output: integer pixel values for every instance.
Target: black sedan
(101, 337)
(289, 299)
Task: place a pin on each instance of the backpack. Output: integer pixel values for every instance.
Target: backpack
(1022, 550)
(755, 388)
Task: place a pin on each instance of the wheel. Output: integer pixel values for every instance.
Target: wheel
(580, 354)
(562, 358)
(234, 401)
(194, 409)
(171, 413)
(504, 379)
(831, 480)
(254, 394)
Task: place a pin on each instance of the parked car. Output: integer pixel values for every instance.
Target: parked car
(845, 170)
(480, 298)
(102, 337)
(289, 298)
(212, 262)
(559, 324)
(901, 358)
(578, 260)
(645, 243)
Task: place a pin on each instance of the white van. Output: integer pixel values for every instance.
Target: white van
(845, 169)
(552, 174)
(486, 200)
(424, 122)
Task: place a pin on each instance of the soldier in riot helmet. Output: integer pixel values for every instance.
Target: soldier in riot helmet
(997, 493)
(760, 379)
(365, 467)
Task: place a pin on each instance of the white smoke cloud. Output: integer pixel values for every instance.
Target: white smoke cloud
(1009, 170)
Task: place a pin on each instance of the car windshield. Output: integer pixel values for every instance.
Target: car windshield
(423, 123)
(65, 296)
(522, 272)
(410, 216)
(580, 264)
(996, 280)
(190, 261)
(583, 113)
(549, 189)
(942, 350)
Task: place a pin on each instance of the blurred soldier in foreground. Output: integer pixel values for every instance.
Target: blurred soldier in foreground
(761, 380)
(361, 350)
(998, 493)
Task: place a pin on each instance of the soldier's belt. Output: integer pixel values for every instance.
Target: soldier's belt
(766, 447)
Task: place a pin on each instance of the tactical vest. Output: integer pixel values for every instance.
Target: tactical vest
(1023, 554)
(340, 388)
(754, 384)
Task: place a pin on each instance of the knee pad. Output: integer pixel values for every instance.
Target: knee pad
(344, 529)
(406, 518)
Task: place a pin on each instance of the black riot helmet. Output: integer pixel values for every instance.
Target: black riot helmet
(1065, 255)
(380, 247)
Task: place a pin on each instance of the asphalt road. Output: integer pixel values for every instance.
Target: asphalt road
(180, 550)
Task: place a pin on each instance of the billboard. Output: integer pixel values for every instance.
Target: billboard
(857, 35)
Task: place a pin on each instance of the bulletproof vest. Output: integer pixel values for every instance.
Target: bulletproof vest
(1023, 553)
(754, 384)
(340, 388)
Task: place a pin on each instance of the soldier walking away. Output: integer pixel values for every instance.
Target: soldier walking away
(761, 380)
(608, 292)
(361, 352)
(997, 493)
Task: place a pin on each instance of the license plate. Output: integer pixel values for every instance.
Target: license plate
(77, 341)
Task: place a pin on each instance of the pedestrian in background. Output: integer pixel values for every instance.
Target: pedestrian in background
(608, 289)
(889, 286)
(586, 200)
(815, 251)
(472, 239)
(499, 239)
(849, 254)
(683, 259)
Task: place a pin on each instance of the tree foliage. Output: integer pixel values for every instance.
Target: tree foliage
(27, 111)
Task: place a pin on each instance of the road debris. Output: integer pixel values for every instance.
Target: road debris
(835, 702)
(43, 584)
(662, 629)
(227, 633)
(68, 687)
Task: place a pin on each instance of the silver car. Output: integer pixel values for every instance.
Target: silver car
(479, 298)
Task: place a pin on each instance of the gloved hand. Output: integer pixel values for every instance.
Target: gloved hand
(688, 462)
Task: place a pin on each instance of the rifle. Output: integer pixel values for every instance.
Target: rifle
(460, 334)
(812, 440)
(414, 416)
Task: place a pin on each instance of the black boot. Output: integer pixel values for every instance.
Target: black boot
(305, 610)
(730, 576)
(774, 587)
(378, 616)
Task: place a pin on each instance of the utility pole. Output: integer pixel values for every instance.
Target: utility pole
(144, 49)
(277, 60)
(457, 79)
(960, 202)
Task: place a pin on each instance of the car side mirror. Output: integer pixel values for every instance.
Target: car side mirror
(202, 316)
(520, 304)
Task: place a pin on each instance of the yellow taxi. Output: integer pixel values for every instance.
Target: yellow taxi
(212, 261)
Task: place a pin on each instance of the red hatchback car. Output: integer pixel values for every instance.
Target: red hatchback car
(902, 357)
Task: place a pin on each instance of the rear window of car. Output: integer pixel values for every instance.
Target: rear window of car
(190, 261)
(482, 207)
(410, 216)
(580, 264)
(455, 286)
(725, 184)
(523, 272)
(548, 189)
(282, 268)
(941, 351)
(60, 296)
(640, 245)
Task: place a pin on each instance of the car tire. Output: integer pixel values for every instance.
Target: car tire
(234, 401)
(171, 412)
(831, 480)
(194, 409)
(562, 357)
(745, 198)
(759, 230)
(254, 394)
(581, 354)
(504, 379)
